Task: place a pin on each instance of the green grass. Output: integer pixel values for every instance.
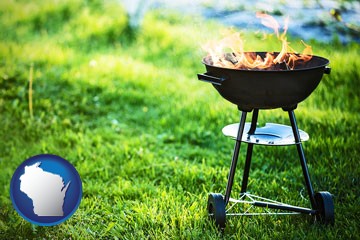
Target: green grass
(124, 106)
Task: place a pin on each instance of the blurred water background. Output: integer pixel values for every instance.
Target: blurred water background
(325, 21)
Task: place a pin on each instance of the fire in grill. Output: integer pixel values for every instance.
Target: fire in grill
(260, 80)
(220, 56)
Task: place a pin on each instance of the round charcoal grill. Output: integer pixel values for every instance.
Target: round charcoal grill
(266, 89)
(254, 90)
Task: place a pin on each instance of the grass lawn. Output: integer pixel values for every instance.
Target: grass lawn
(125, 107)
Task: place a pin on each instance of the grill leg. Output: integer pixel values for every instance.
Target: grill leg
(302, 158)
(235, 157)
(249, 152)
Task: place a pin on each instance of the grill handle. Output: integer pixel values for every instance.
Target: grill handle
(327, 70)
(206, 77)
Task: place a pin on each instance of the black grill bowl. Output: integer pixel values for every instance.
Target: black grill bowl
(266, 89)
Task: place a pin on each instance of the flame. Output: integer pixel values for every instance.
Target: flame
(229, 51)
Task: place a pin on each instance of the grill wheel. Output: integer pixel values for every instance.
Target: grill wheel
(325, 207)
(216, 209)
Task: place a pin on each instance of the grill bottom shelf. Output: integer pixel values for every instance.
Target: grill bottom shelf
(272, 134)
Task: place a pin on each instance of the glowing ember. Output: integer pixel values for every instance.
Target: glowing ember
(229, 52)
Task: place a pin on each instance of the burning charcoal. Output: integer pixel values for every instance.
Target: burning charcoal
(283, 66)
(231, 58)
(208, 61)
